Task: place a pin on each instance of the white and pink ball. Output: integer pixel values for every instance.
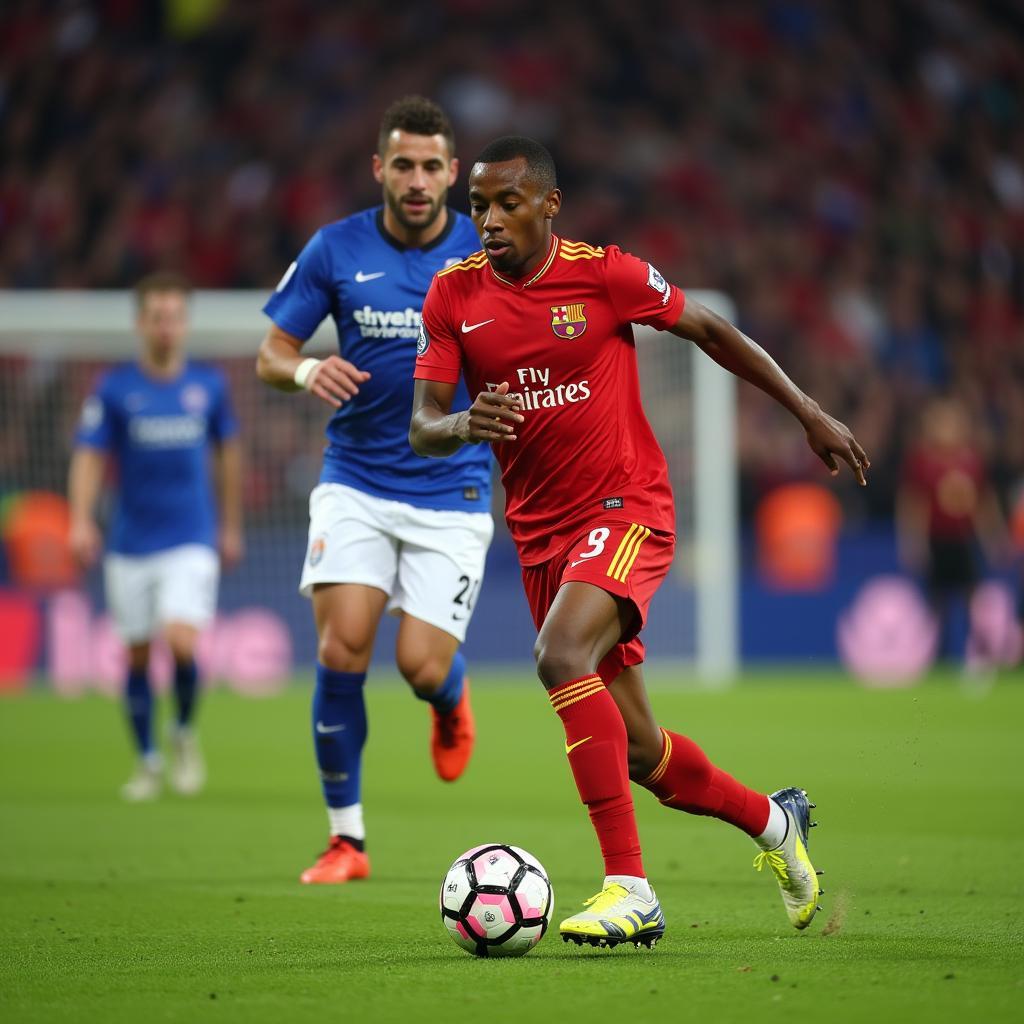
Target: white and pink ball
(496, 900)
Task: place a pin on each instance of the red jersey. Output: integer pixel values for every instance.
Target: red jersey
(563, 339)
(951, 483)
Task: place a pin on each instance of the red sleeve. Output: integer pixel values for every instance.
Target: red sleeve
(438, 351)
(639, 293)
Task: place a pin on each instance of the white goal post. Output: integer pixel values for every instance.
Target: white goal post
(690, 400)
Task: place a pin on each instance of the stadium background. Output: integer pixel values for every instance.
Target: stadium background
(852, 177)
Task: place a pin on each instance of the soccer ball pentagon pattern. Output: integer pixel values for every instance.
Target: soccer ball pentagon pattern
(496, 900)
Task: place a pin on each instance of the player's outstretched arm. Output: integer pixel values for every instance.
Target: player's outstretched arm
(280, 364)
(84, 480)
(436, 431)
(738, 354)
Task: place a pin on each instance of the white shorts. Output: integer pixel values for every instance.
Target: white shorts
(429, 563)
(146, 592)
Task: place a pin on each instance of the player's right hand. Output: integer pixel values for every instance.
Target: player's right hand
(85, 542)
(335, 380)
(493, 416)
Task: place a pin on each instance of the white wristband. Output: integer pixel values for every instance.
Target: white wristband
(305, 370)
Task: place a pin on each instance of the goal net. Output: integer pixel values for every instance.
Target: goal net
(53, 346)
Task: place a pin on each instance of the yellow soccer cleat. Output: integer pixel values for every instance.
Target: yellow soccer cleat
(616, 915)
(790, 863)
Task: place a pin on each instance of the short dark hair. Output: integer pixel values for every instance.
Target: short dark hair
(540, 166)
(161, 281)
(418, 116)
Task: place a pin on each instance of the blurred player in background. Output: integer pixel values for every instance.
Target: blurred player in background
(156, 420)
(540, 327)
(947, 512)
(387, 529)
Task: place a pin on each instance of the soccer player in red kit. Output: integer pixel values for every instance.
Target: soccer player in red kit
(541, 329)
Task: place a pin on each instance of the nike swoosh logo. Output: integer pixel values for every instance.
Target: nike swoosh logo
(324, 730)
(579, 561)
(569, 749)
(362, 278)
(466, 328)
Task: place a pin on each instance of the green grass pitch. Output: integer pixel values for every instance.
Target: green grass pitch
(191, 910)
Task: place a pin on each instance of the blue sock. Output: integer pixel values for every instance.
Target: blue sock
(339, 733)
(138, 700)
(186, 689)
(445, 698)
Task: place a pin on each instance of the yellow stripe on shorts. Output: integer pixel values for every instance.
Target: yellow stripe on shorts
(626, 552)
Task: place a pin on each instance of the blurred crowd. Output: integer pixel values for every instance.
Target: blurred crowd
(852, 174)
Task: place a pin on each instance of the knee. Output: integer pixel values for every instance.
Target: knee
(181, 639)
(423, 671)
(182, 651)
(644, 756)
(339, 654)
(559, 660)
(138, 658)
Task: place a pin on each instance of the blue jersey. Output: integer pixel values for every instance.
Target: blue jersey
(159, 433)
(374, 287)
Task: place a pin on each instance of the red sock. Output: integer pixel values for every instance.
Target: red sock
(686, 780)
(595, 742)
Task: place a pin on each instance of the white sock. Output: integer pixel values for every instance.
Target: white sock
(774, 834)
(347, 821)
(153, 761)
(638, 886)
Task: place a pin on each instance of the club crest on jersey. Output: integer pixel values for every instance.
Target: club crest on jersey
(194, 398)
(316, 551)
(568, 321)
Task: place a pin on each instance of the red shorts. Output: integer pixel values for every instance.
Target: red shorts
(625, 559)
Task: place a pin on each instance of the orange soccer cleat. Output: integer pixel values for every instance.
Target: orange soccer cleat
(340, 862)
(451, 742)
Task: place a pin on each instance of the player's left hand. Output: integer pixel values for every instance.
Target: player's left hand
(231, 546)
(829, 438)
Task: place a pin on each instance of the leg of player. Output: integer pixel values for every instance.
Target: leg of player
(185, 592)
(430, 660)
(130, 585)
(188, 770)
(347, 615)
(679, 774)
(581, 626)
(145, 784)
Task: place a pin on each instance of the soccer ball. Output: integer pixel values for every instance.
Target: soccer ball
(496, 900)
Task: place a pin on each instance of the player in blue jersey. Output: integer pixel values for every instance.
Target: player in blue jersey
(388, 530)
(156, 420)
